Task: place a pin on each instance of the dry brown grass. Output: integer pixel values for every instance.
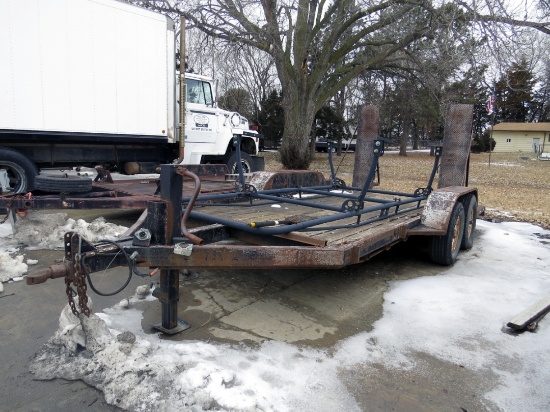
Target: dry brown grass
(515, 186)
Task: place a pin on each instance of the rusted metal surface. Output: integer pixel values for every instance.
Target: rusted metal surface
(54, 271)
(456, 146)
(286, 178)
(368, 130)
(437, 211)
(196, 191)
(105, 200)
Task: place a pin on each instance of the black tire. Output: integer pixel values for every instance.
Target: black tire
(470, 217)
(63, 184)
(444, 249)
(246, 161)
(21, 171)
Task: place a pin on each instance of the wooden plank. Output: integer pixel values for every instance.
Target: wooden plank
(523, 319)
(288, 211)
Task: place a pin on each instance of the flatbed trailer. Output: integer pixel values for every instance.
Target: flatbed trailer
(276, 220)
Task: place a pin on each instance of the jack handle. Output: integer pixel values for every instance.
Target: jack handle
(54, 271)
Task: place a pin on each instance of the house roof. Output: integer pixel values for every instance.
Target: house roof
(522, 127)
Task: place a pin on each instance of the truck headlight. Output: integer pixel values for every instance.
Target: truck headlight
(235, 119)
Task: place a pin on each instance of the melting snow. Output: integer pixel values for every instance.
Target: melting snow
(457, 316)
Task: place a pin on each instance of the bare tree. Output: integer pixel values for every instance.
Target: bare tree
(250, 69)
(319, 46)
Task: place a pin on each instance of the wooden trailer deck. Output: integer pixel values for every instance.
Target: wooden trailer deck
(325, 234)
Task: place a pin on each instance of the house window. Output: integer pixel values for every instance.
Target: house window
(508, 140)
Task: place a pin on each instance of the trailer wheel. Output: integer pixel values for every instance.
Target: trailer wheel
(470, 206)
(63, 184)
(20, 171)
(444, 249)
(246, 162)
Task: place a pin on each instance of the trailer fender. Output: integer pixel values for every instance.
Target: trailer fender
(439, 206)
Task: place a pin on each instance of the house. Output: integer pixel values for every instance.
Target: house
(522, 137)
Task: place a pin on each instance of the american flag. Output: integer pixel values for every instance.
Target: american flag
(491, 104)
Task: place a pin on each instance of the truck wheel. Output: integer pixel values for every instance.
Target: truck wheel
(246, 162)
(63, 184)
(19, 169)
(444, 249)
(470, 206)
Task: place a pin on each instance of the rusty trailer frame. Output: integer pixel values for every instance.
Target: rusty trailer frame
(332, 226)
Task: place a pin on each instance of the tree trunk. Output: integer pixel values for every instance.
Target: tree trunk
(416, 136)
(299, 116)
(405, 135)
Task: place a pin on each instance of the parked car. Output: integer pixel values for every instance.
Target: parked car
(322, 145)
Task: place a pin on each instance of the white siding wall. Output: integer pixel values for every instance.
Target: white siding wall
(518, 141)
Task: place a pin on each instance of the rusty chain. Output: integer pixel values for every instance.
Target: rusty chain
(79, 279)
(69, 291)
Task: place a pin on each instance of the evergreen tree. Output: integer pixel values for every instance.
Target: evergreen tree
(329, 124)
(514, 94)
(271, 118)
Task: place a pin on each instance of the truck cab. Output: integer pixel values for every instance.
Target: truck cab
(210, 132)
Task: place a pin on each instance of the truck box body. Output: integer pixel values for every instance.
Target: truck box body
(93, 83)
(91, 68)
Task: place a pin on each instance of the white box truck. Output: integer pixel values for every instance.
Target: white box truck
(94, 82)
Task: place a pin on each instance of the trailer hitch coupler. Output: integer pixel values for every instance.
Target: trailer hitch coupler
(41, 275)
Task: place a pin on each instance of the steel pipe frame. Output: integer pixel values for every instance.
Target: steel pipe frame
(323, 191)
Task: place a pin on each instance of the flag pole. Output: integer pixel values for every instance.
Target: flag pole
(492, 106)
(491, 138)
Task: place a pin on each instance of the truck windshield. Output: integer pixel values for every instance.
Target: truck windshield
(198, 92)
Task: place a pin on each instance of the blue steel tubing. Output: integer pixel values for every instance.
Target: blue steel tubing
(221, 196)
(299, 202)
(320, 190)
(387, 192)
(326, 188)
(323, 191)
(271, 201)
(349, 196)
(378, 151)
(332, 172)
(271, 231)
(358, 224)
(438, 152)
(303, 225)
(239, 162)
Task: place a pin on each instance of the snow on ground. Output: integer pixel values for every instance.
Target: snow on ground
(40, 230)
(457, 316)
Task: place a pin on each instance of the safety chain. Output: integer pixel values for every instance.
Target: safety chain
(77, 277)
(69, 291)
(81, 287)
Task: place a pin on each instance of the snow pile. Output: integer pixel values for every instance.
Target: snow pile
(457, 316)
(11, 264)
(140, 372)
(45, 231)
